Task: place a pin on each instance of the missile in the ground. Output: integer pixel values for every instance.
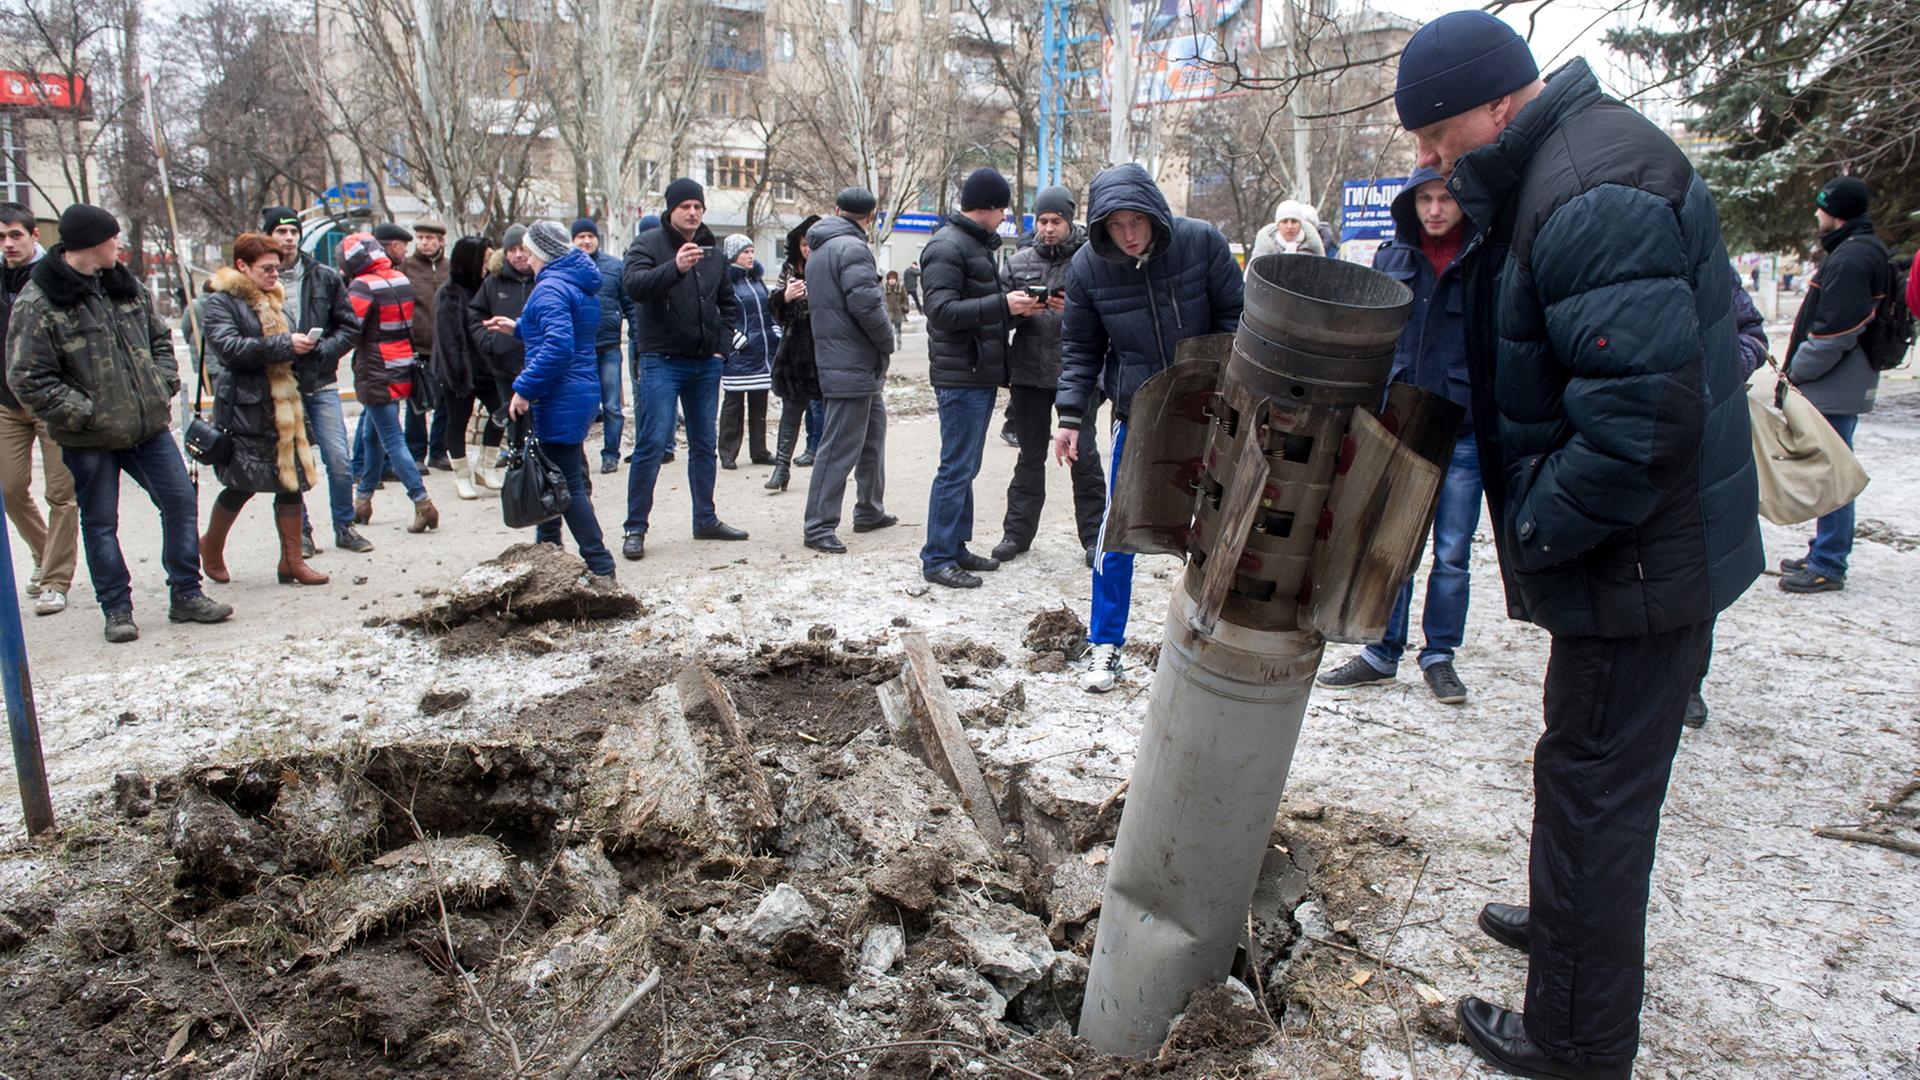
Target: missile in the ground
(1299, 488)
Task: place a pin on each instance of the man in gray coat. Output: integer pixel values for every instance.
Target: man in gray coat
(852, 342)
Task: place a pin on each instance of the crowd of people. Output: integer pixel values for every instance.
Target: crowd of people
(1596, 344)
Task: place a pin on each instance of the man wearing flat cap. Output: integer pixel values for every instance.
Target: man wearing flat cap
(426, 269)
(1612, 425)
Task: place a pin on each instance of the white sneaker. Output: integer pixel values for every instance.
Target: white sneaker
(33, 583)
(1103, 669)
(50, 603)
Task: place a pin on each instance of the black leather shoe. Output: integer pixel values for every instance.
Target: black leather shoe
(1007, 550)
(953, 578)
(979, 564)
(719, 530)
(1696, 714)
(804, 461)
(1499, 1036)
(608, 465)
(729, 464)
(1090, 554)
(1508, 924)
(885, 521)
(634, 546)
(831, 545)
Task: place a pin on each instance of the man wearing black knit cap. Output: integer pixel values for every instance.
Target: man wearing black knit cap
(1612, 426)
(676, 277)
(87, 355)
(852, 347)
(968, 317)
(1826, 361)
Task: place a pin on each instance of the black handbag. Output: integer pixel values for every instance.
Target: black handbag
(534, 490)
(205, 442)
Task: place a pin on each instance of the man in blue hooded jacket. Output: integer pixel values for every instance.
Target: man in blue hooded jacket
(1612, 427)
(1145, 281)
(1430, 230)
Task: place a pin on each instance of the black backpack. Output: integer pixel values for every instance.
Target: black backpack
(1889, 336)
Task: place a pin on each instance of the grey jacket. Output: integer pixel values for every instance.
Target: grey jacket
(852, 336)
(1824, 357)
(1033, 359)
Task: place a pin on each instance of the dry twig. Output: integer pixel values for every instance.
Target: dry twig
(572, 1060)
(1854, 836)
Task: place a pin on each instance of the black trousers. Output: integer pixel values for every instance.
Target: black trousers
(1600, 771)
(1030, 414)
(754, 406)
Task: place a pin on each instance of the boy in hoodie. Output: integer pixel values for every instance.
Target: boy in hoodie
(1430, 230)
(1145, 281)
(54, 539)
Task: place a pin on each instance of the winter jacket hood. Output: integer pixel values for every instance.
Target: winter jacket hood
(1824, 357)
(382, 300)
(1127, 187)
(256, 398)
(1432, 350)
(852, 336)
(562, 371)
(88, 355)
(1608, 404)
(967, 316)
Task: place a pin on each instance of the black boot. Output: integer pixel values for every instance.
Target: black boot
(782, 472)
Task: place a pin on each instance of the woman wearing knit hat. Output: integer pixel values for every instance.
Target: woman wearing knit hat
(1293, 231)
(748, 374)
(560, 383)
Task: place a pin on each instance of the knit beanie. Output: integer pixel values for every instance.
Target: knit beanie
(1297, 210)
(275, 216)
(685, 189)
(585, 224)
(734, 244)
(83, 226)
(549, 241)
(855, 201)
(516, 236)
(985, 189)
(1457, 61)
(1845, 197)
(1054, 200)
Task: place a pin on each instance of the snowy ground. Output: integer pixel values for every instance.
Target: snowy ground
(1771, 952)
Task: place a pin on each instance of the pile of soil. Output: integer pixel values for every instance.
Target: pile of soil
(817, 901)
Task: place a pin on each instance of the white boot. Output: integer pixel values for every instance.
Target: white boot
(463, 479)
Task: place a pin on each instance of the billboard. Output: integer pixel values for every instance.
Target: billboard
(1178, 42)
(1366, 216)
(43, 91)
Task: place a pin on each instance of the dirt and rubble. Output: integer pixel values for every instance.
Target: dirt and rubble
(432, 847)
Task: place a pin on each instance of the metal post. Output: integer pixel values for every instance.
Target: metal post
(23, 724)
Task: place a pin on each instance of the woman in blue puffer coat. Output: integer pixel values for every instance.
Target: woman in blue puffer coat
(748, 374)
(560, 383)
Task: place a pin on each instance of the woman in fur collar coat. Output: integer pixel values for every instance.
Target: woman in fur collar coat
(256, 401)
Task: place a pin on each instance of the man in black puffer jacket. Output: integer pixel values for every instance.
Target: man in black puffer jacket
(1145, 282)
(967, 317)
(1033, 369)
(1612, 426)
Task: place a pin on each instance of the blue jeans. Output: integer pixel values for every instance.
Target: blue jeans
(964, 415)
(1443, 618)
(427, 435)
(156, 466)
(571, 460)
(328, 430)
(816, 418)
(1833, 533)
(385, 443)
(693, 382)
(613, 418)
(1112, 570)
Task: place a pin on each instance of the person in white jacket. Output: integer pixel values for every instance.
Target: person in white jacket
(1292, 232)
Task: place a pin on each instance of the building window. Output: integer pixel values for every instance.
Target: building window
(14, 184)
(929, 7)
(883, 59)
(782, 187)
(727, 97)
(957, 6)
(883, 5)
(733, 173)
(783, 44)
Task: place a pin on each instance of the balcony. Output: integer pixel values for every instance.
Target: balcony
(758, 7)
(734, 58)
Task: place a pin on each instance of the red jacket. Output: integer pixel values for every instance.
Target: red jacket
(1913, 286)
(382, 297)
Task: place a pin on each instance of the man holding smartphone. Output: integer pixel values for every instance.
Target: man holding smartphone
(677, 279)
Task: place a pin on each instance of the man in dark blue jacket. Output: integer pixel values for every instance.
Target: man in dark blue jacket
(1612, 430)
(1145, 281)
(614, 310)
(1430, 230)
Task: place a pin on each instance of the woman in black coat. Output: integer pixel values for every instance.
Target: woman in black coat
(256, 401)
(796, 381)
(456, 364)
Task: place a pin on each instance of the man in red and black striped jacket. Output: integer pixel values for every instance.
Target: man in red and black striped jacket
(383, 364)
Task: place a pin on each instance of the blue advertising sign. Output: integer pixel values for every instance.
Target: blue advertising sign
(1366, 216)
(918, 223)
(353, 195)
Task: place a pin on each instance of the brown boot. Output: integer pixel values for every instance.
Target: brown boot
(293, 568)
(424, 517)
(213, 543)
(363, 510)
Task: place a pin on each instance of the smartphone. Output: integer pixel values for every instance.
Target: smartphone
(1038, 292)
(316, 333)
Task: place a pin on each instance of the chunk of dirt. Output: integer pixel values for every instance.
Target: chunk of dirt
(390, 1000)
(912, 879)
(132, 794)
(463, 872)
(967, 651)
(885, 804)
(217, 846)
(814, 956)
(444, 700)
(1056, 631)
(528, 583)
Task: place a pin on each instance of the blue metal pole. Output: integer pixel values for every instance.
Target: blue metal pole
(23, 724)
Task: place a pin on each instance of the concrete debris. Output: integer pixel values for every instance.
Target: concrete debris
(879, 808)
(882, 948)
(1057, 631)
(1078, 885)
(1001, 942)
(965, 987)
(583, 880)
(464, 872)
(218, 846)
(783, 909)
(528, 583)
(942, 740)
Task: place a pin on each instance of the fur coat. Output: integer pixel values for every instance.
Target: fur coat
(257, 397)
